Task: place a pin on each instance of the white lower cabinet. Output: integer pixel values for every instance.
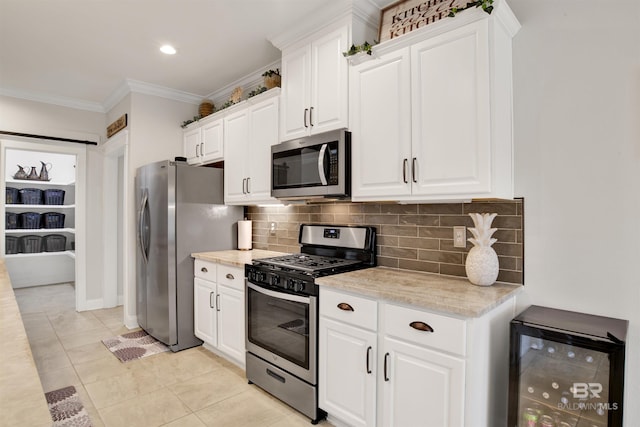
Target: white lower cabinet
(384, 364)
(347, 362)
(421, 387)
(219, 315)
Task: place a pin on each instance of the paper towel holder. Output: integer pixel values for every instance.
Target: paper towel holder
(244, 235)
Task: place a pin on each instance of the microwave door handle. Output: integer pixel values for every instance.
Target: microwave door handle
(323, 177)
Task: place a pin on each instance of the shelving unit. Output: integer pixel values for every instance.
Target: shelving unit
(40, 268)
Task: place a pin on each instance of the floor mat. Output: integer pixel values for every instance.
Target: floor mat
(66, 408)
(134, 345)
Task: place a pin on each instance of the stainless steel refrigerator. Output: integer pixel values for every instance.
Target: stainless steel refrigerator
(180, 210)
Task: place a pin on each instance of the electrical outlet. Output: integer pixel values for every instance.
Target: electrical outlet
(460, 237)
(272, 228)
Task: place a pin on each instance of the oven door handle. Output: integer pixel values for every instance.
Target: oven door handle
(279, 295)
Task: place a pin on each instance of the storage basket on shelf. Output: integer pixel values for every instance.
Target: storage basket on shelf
(54, 242)
(13, 196)
(53, 196)
(29, 244)
(52, 220)
(11, 245)
(10, 220)
(30, 220)
(31, 196)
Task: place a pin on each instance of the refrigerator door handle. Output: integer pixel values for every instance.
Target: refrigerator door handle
(144, 206)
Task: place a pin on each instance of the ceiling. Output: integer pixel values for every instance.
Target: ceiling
(83, 50)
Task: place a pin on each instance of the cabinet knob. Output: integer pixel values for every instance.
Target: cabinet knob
(345, 307)
(421, 326)
(204, 270)
(230, 276)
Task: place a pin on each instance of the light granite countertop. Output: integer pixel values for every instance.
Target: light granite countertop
(423, 290)
(22, 401)
(234, 257)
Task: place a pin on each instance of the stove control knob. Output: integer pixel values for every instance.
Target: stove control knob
(275, 280)
(299, 287)
(290, 284)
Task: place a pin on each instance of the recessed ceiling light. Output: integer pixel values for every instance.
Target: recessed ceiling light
(168, 49)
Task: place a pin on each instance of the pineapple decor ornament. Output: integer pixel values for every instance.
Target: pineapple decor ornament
(482, 261)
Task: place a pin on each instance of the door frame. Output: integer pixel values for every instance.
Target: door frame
(114, 149)
(80, 151)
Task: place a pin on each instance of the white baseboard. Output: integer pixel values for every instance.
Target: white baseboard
(131, 322)
(94, 304)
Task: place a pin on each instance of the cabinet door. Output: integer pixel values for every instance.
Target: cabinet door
(296, 93)
(204, 313)
(191, 139)
(380, 101)
(231, 322)
(236, 139)
(329, 89)
(212, 148)
(263, 131)
(347, 362)
(422, 387)
(451, 112)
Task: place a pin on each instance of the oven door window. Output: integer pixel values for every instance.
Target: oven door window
(304, 167)
(279, 324)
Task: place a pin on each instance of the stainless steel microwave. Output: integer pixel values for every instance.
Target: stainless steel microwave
(317, 166)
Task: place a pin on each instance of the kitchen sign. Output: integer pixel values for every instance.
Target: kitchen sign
(117, 126)
(407, 15)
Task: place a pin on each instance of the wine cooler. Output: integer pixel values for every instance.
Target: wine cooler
(566, 369)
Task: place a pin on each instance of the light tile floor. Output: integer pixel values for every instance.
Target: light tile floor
(190, 388)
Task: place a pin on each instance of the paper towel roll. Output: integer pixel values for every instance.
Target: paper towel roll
(244, 235)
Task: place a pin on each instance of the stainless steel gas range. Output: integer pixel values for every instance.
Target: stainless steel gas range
(282, 310)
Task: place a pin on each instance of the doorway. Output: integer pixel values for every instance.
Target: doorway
(116, 229)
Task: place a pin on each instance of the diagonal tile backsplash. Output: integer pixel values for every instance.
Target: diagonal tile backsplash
(411, 237)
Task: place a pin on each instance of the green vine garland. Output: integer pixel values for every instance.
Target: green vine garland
(486, 5)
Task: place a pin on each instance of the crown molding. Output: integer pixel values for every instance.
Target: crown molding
(364, 10)
(61, 101)
(136, 86)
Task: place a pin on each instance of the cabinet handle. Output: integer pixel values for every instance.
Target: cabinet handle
(248, 189)
(414, 167)
(204, 270)
(421, 326)
(217, 302)
(244, 183)
(305, 117)
(344, 306)
(368, 357)
(210, 301)
(386, 360)
(202, 148)
(405, 165)
(229, 276)
(311, 116)
(197, 145)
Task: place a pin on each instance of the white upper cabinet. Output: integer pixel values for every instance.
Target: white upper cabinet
(381, 124)
(431, 112)
(314, 86)
(249, 134)
(203, 141)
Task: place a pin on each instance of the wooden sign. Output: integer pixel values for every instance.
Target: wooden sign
(408, 15)
(117, 126)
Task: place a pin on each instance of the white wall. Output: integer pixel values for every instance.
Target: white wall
(577, 141)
